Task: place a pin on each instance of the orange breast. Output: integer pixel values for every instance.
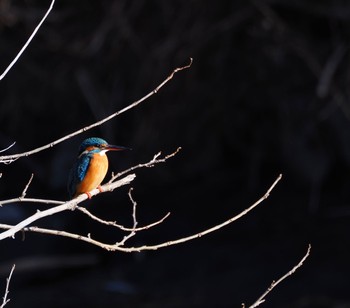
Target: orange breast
(95, 174)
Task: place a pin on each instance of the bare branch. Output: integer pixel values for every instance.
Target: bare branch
(5, 299)
(118, 246)
(69, 205)
(28, 42)
(32, 200)
(10, 158)
(261, 299)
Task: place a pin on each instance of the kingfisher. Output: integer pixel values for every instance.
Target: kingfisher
(91, 166)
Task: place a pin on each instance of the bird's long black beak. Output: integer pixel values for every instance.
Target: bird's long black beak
(111, 147)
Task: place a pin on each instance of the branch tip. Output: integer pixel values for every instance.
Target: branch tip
(274, 283)
(10, 146)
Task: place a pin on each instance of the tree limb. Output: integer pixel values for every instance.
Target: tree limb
(119, 245)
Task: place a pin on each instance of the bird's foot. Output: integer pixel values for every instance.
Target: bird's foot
(89, 195)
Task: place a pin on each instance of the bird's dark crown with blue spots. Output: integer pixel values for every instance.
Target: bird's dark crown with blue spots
(91, 142)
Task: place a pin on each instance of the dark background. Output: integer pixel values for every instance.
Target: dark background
(268, 93)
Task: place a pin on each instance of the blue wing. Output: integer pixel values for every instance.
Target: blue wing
(77, 173)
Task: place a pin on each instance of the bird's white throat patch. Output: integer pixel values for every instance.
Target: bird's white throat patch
(102, 152)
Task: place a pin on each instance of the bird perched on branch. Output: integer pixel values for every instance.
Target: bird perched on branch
(90, 167)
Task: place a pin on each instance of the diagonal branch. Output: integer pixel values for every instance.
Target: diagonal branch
(261, 299)
(10, 158)
(27, 42)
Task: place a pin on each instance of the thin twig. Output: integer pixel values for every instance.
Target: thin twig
(10, 158)
(133, 232)
(22, 197)
(5, 299)
(10, 146)
(261, 299)
(121, 227)
(27, 42)
(134, 204)
(117, 246)
(24, 192)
